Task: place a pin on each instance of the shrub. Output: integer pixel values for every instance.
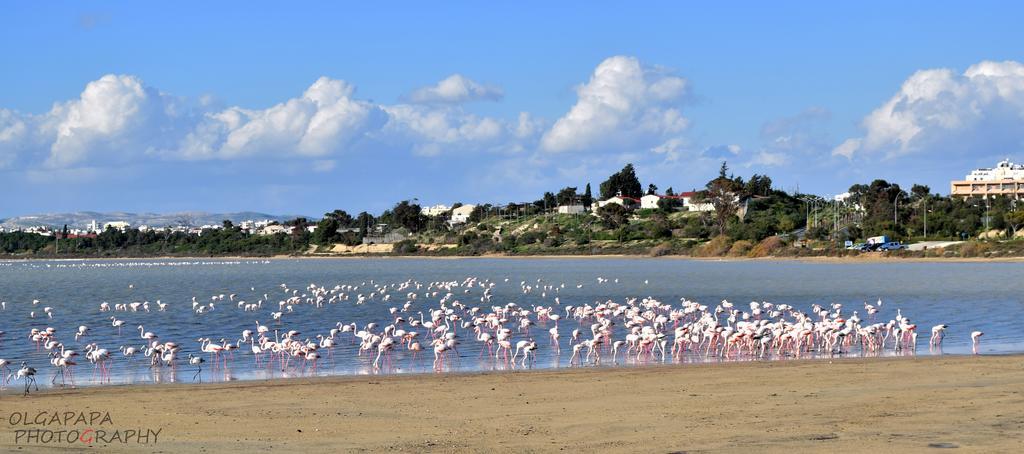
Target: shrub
(767, 247)
(405, 247)
(974, 249)
(717, 247)
(660, 250)
(529, 238)
(740, 248)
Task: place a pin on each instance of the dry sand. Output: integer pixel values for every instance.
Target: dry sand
(852, 405)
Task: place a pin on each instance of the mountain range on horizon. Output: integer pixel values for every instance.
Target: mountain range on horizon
(81, 219)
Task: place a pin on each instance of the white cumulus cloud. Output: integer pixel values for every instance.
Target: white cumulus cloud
(323, 121)
(624, 103)
(456, 89)
(938, 110)
(116, 116)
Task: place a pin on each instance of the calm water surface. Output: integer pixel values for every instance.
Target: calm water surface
(967, 296)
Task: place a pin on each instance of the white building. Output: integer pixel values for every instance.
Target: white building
(461, 214)
(1005, 179)
(689, 201)
(1004, 170)
(275, 229)
(119, 225)
(435, 210)
(650, 201)
(571, 209)
(841, 197)
(623, 201)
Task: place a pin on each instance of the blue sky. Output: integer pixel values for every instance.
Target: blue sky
(303, 107)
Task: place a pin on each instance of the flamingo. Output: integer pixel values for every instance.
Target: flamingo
(128, 352)
(198, 362)
(28, 375)
(4, 372)
(146, 335)
(383, 348)
(938, 333)
(116, 324)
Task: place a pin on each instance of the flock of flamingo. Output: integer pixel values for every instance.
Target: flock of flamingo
(460, 312)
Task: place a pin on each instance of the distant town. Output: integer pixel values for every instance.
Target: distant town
(730, 216)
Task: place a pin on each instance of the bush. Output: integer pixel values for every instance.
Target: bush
(529, 238)
(405, 247)
(467, 238)
(974, 249)
(717, 247)
(740, 248)
(767, 247)
(508, 243)
(661, 249)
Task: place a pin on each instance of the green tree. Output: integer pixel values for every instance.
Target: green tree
(623, 181)
(613, 215)
(722, 194)
(344, 219)
(364, 220)
(327, 231)
(549, 201)
(409, 215)
(919, 191)
(760, 185)
(567, 196)
(1015, 220)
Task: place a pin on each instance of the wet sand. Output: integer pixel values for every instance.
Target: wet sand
(849, 405)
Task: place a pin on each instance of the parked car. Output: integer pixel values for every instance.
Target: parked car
(891, 246)
(857, 247)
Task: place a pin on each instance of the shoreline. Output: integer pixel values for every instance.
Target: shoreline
(808, 259)
(847, 404)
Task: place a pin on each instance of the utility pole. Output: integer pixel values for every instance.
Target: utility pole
(835, 217)
(926, 217)
(986, 216)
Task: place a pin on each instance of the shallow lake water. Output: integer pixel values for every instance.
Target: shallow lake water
(967, 296)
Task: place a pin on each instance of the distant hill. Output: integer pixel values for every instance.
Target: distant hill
(82, 219)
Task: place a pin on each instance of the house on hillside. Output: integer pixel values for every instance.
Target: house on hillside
(689, 201)
(686, 200)
(274, 229)
(650, 201)
(571, 209)
(119, 225)
(626, 202)
(435, 210)
(461, 214)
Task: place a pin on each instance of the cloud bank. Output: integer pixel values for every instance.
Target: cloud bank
(120, 119)
(624, 103)
(940, 111)
(456, 89)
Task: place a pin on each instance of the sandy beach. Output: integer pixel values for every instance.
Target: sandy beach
(849, 405)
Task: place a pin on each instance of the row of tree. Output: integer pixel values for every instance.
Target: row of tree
(748, 209)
